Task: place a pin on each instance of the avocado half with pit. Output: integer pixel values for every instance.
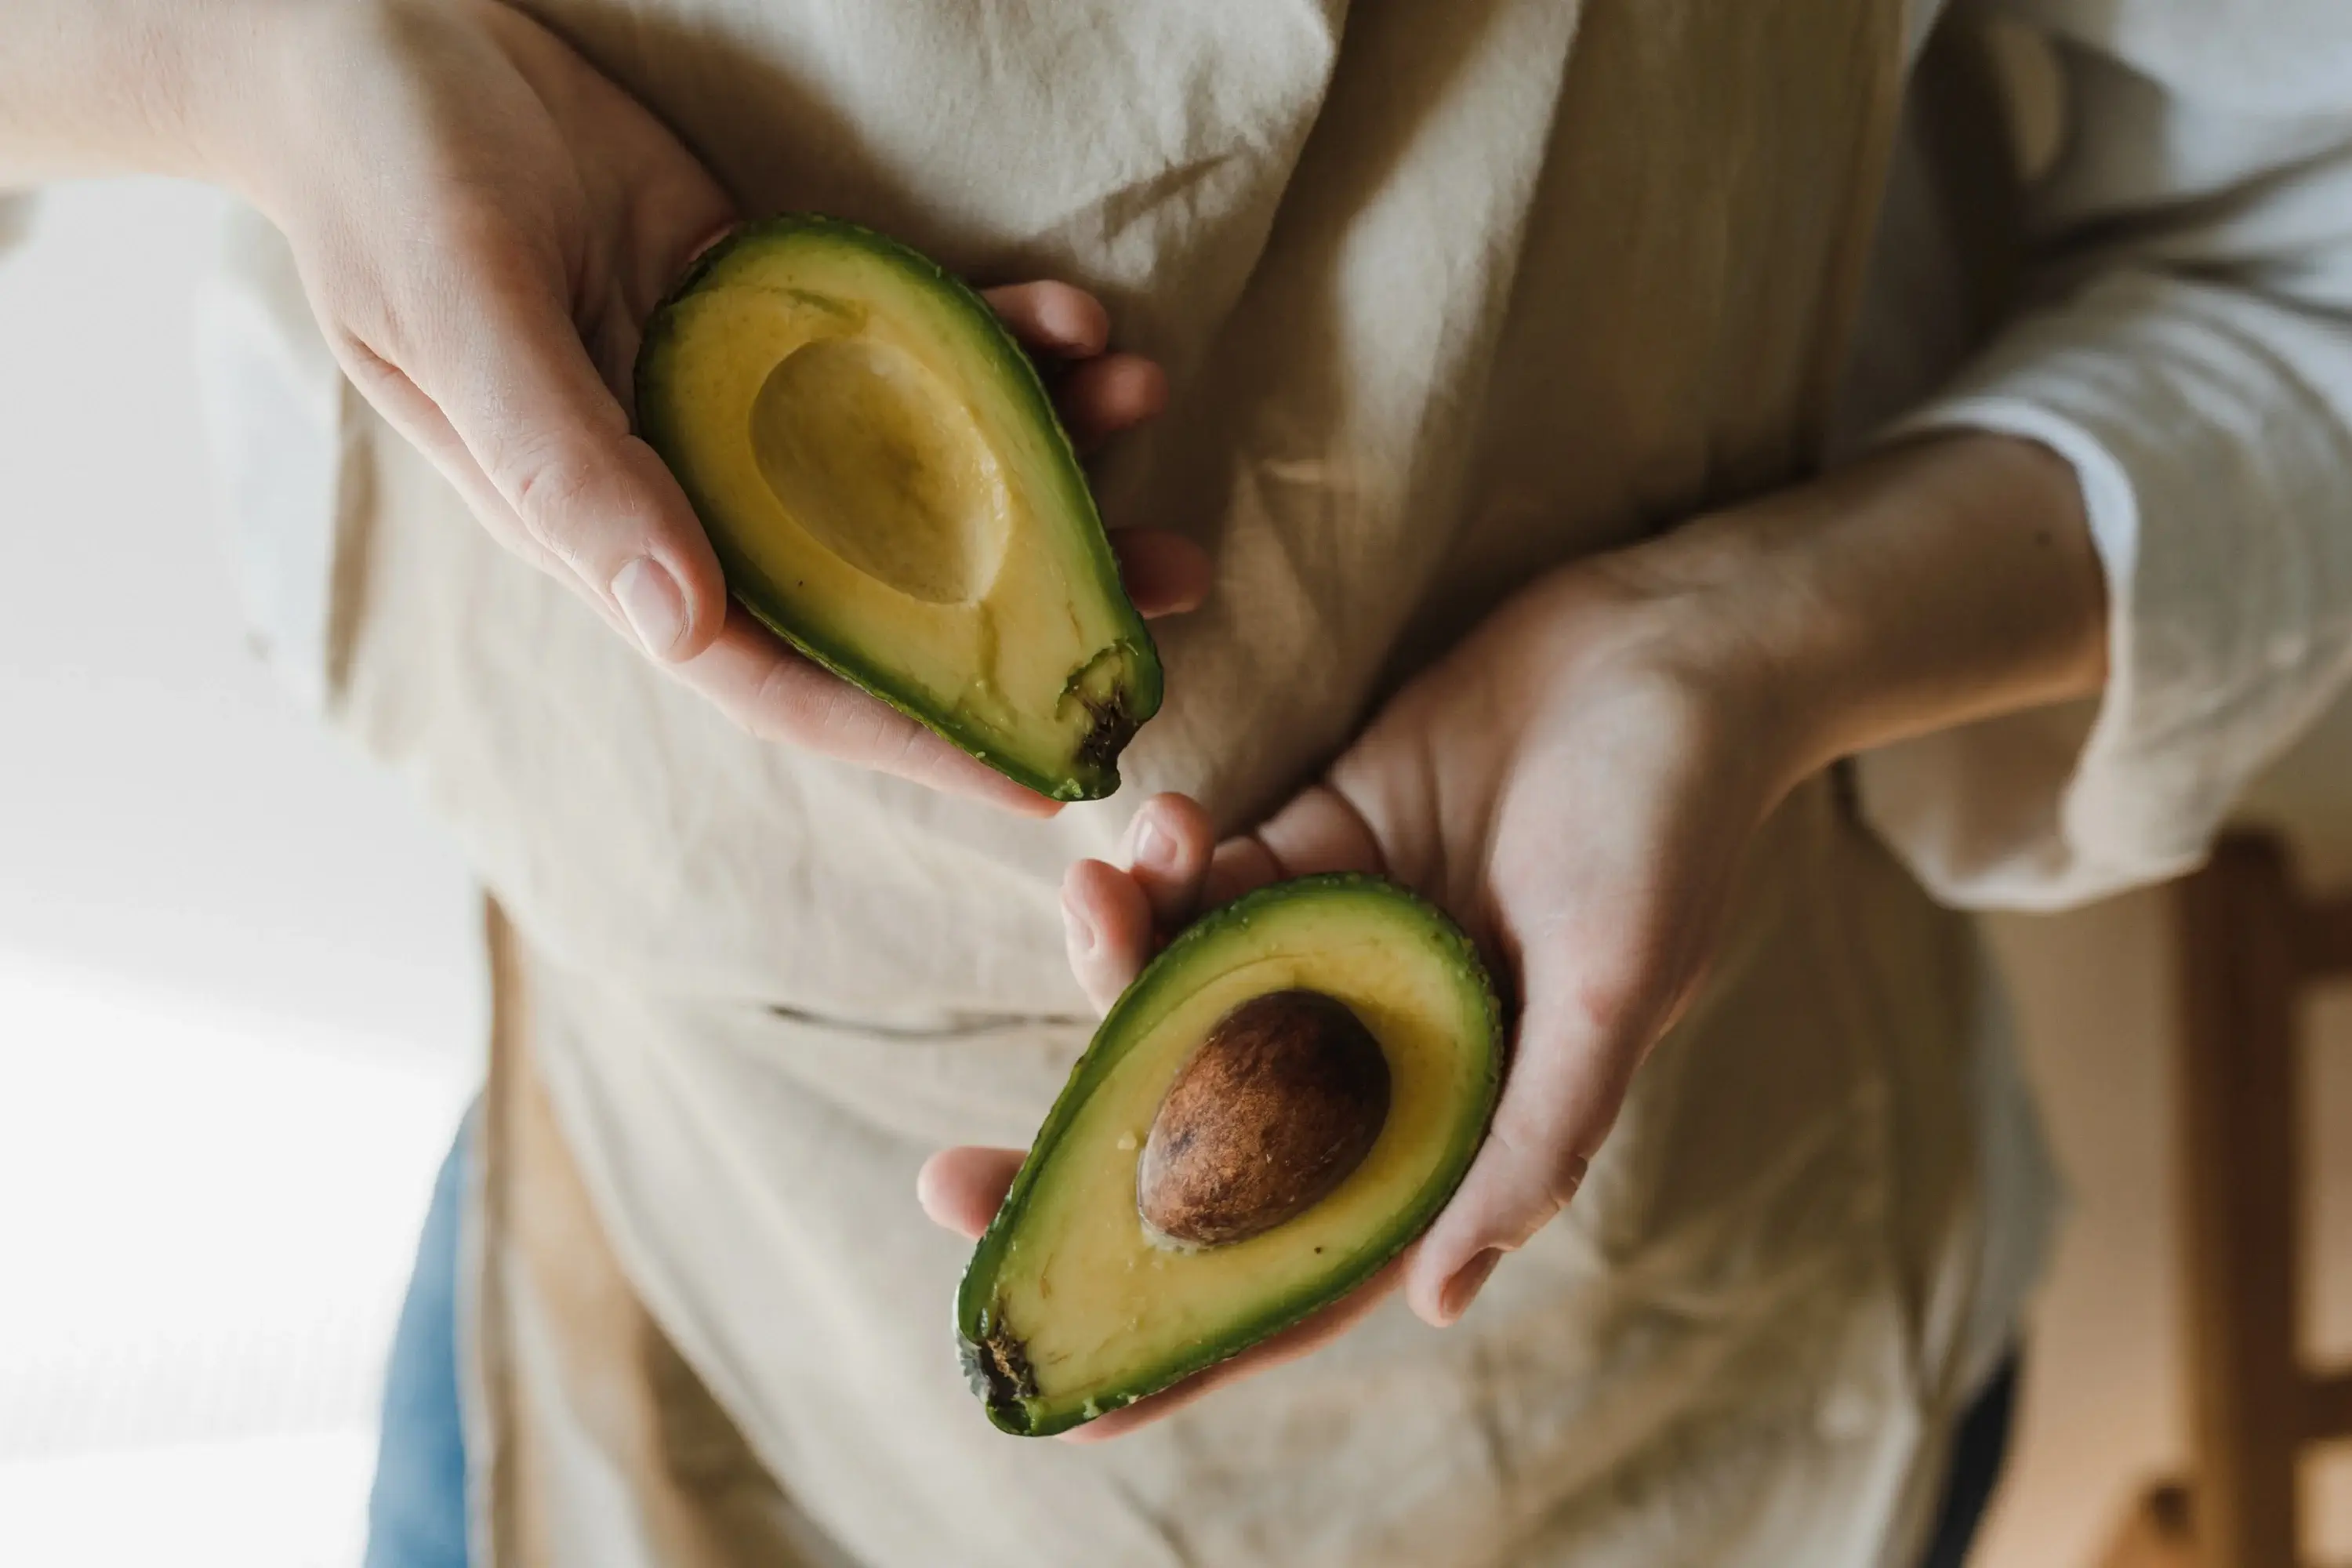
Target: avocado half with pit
(884, 478)
(1280, 1102)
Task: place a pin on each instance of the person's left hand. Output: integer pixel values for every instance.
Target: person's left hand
(1578, 781)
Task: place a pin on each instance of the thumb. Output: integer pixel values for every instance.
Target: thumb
(1571, 1066)
(506, 368)
(961, 1189)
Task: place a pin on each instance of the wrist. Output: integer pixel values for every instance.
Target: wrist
(160, 87)
(243, 113)
(1931, 585)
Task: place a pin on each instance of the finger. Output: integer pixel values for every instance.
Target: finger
(747, 672)
(1107, 929)
(1299, 1340)
(504, 363)
(1104, 396)
(1575, 1056)
(1239, 866)
(642, 181)
(961, 1189)
(612, 336)
(1165, 573)
(1053, 319)
(777, 695)
(701, 224)
(417, 418)
(1168, 847)
(697, 249)
(1319, 830)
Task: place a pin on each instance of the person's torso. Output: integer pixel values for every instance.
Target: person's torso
(1449, 293)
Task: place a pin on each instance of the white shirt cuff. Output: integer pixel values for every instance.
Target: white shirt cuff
(2208, 429)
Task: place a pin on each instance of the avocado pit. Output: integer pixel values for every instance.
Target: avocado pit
(1275, 1109)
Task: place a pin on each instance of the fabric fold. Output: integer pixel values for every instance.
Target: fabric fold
(2208, 428)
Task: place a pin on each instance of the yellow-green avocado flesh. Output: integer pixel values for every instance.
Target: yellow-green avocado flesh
(1071, 1309)
(887, 485)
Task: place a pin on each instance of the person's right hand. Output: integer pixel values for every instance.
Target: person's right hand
(483, 223)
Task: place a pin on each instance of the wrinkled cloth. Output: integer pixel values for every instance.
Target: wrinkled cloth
(417, 1515)
(1448, 293)
(2190, 352)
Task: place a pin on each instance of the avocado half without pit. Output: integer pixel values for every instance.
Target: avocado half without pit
(887, 488)
(1280, 1102)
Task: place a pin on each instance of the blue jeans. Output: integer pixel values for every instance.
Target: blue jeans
(416, 1511)
(416, 1515)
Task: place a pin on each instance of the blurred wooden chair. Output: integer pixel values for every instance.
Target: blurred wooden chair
(2249, 946)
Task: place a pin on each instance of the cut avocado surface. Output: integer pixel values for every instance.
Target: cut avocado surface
(1076, 1303)
(887, 485)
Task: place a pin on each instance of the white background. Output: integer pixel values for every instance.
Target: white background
(239, 1000)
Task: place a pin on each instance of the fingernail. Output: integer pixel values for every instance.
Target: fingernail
(722, 232)
(1153, 848)
(1082, 930)
(654, 606)
(1462, 1289)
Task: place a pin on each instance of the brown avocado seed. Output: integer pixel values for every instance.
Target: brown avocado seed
(1277, 1108)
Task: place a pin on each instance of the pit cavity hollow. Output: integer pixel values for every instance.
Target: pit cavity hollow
(871, 455)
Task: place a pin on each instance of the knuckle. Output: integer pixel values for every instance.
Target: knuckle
(551, 489)
(1549, 1170)
(1612, 990)
(779, 707)
(372, 372)
(1615, 976)
(797, 703)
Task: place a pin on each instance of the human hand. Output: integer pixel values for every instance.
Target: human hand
(483, 223)
(1574, 783)
(1577, 783)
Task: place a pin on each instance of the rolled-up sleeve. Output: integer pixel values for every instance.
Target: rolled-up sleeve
(2196, 373)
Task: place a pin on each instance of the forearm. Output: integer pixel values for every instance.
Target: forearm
(97, 87)
(1943, 581)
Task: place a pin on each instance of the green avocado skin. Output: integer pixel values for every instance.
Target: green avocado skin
(1082, 777)
(994, 1369)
